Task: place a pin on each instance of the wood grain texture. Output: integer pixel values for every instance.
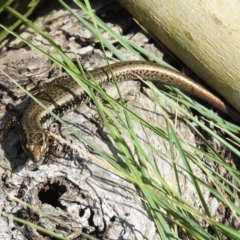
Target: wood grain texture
(203, 34)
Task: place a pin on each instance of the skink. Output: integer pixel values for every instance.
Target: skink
(65, 95)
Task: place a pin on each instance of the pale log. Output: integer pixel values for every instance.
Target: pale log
(205, 35)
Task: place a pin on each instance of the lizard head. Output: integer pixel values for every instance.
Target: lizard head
(35, 144)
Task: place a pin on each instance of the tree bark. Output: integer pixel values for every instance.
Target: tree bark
(203, 34)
